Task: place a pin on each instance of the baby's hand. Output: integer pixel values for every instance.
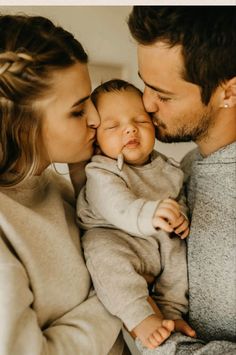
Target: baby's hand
(181, 226)
(169, 218)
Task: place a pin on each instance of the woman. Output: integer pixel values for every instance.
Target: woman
(46, 306)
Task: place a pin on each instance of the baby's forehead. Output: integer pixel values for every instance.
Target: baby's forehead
(115, 104)
(112, 94)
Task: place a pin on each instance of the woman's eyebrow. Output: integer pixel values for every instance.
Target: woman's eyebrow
(156, 88)
(80, 101)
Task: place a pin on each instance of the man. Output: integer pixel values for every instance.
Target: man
(187, 61)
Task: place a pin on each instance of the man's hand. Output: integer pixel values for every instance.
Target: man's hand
(169, 218)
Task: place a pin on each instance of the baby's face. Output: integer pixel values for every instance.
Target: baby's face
(125, 127)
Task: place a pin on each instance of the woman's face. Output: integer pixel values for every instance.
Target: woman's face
(69, 117)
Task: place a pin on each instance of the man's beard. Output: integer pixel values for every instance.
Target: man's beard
(184, 134)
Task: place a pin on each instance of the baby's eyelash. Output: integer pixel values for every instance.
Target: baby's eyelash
(111, 127)
(143, 121)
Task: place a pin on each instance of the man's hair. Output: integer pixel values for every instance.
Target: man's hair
(113, 85)
(206, 33)
(31, 50)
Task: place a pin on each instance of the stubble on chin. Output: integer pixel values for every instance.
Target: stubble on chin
(195, 131)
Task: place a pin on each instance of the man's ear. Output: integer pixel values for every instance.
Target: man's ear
(229, 93)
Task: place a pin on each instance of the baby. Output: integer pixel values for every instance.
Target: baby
(134, 214)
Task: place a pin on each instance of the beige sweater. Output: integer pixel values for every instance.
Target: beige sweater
(46, 306)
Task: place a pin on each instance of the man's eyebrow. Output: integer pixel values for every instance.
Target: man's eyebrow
(156, 88)
(80, 101)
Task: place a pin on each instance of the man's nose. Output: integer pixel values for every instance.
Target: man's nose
(149, 100)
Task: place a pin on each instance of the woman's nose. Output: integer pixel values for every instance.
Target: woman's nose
(93, 119)
(149, 100)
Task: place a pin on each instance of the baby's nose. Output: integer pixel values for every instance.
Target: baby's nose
(130, 129)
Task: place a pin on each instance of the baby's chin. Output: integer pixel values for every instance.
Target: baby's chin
(128, 158)
(136, 161)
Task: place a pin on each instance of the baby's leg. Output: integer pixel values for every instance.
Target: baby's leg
(180, 324)
(115, 269)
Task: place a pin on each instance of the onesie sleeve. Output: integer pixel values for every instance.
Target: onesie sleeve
(183, 203)
(112, 201)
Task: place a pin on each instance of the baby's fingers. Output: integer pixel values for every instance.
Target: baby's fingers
(169, 214)
(182, 230)
(159, 222)
(170, 205)
(184, 234)
(181, 223)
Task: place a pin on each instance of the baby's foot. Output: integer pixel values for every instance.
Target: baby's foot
(183, 327)
(152, 331)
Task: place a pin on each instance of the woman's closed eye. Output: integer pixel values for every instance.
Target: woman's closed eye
(78, 113)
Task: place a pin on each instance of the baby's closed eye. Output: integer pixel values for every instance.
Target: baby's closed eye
(111, 126)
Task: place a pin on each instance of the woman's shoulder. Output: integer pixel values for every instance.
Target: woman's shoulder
(38, 187)
(63, 185)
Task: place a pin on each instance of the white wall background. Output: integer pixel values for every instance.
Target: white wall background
(104, 34)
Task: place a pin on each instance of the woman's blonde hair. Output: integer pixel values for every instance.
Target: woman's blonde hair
(31, 49)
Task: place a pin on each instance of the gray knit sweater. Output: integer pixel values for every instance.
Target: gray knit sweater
(211, 196)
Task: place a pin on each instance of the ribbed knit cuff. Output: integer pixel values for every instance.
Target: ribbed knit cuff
(135, 313)
(145, 218)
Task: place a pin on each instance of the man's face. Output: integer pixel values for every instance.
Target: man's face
(175, 104)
